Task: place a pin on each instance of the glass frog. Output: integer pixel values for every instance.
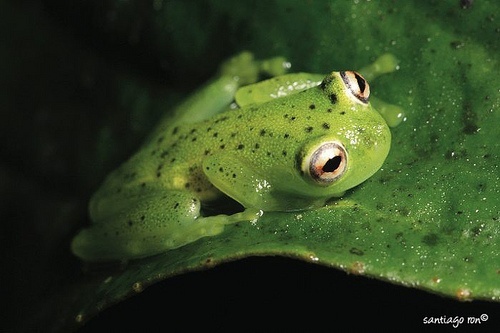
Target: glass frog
(294, 142)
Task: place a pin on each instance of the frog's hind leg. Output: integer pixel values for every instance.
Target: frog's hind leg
(217, 95)
(143, 226)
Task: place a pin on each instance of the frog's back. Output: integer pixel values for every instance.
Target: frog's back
(173, 158)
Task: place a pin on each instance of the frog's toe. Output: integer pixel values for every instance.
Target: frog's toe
(246, 69)
(275, 66)
(242, 67)
(384, 64)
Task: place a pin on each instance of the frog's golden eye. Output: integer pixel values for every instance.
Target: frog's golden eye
(357, 85)
(327, 163)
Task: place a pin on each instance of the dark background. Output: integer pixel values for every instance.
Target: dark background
(282, 295)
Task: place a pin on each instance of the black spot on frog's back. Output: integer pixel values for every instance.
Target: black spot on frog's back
(333, 98)
(326, 81)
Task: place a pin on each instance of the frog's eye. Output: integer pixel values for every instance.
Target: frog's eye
(357, 85)
(326, 163)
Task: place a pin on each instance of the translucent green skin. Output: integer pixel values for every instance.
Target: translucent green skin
(253, 154)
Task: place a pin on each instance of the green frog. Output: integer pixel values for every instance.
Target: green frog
(292, 143)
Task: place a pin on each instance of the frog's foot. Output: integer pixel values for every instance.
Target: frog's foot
(212, 226)
(386, 63)
(246, 69)
(392, 114)
(249, 214)
(275, 66)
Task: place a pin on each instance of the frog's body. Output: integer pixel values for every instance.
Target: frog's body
(268, 156)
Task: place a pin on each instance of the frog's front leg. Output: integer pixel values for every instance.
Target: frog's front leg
(386, 63)
(144, 225)
(240, 179)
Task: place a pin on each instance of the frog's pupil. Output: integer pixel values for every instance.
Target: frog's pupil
(332, 164)
(361, 82)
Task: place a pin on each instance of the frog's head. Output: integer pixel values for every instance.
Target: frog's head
(352, 148)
